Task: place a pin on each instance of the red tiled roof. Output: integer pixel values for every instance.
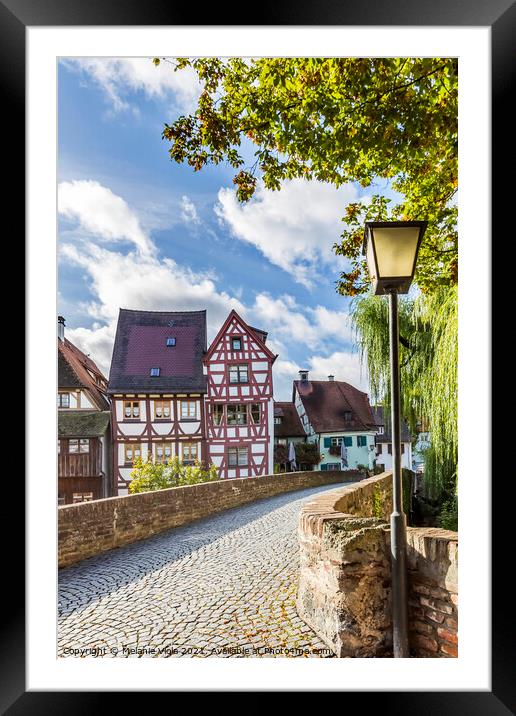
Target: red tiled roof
(73, 367)
(327, 402)
(290, 425)
(140, 344)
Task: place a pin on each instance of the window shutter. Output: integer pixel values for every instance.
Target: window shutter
(324, 466)
(348, 441)
(327, 442)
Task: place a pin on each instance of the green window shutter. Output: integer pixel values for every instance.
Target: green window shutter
(348, 441)
(361, 441)
(323, 466)
(327, 442)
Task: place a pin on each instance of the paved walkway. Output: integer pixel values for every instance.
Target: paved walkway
(222, 586)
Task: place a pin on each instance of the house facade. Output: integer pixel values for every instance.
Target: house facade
(334, 412)
(83, 445)
(157, 388)
(383, 442)
(239, 404)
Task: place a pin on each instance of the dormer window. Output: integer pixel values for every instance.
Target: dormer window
(348, 415)
(236, 343)
(171, 342)
(154, 372)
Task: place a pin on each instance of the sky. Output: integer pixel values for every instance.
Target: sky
(138, 231)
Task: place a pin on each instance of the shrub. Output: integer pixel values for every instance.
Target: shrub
(148, 475)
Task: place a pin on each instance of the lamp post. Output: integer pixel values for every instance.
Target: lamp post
(391, 249)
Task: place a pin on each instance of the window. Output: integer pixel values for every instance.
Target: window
(361, 440)
(255, 413)
(162, 409)
(163, 451)
(277, 421)
(63, 400)
(237, 414)
(381, 430)
(82, 497)
(236, 344)
(73, 446)
(348, 415)
(188, 409)
(61, 500)
(402, 448)
(59, 447)
(171, 342)
(131, 409)
(154, 372)
(217, 412)
(189, 453)
(237, 457)
(132, 451)
(335, 442)
(389, 448)
(238, 373)
(379, 449)
(333, 466)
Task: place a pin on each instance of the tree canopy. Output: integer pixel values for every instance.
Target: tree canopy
(337, 120)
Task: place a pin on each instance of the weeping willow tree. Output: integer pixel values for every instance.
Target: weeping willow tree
(428, 372)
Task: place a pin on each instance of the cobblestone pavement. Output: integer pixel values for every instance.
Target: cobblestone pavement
(223, 586)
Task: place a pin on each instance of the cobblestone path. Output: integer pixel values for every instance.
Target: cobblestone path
(223, 586)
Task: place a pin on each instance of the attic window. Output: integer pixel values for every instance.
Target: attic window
(154, 372)
(171, 341)
(347, 415)
(171, 323)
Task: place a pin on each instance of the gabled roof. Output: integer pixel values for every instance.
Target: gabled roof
(140, 344)
(386, 436)
(82, 424)
(327, 401)
(290, 425)
(74, 370)
(256, 333)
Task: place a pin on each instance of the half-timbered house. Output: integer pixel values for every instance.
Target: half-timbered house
(83, 445)
(239, 401)
(157, 387)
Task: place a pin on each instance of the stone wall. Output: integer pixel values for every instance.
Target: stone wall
(87, 528)
(344, 586)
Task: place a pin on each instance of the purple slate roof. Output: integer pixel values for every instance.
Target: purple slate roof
(327, 401)
(140, 344)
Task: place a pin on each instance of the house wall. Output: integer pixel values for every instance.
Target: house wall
(385, 458)
(356, 455)
(256, 439)
(148, 431)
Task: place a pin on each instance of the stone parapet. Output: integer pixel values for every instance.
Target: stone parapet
(87, 528)
(345, 588)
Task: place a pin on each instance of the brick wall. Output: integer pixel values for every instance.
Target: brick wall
(88, 528)
(344, 585)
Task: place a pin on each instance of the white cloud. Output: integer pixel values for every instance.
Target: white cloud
(295, 228)
(102, 213)
(289, 321)
(140, 282)
(188, 211)
(119, 76)
(343, 365)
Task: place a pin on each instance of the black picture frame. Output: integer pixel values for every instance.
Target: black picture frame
(15, 16)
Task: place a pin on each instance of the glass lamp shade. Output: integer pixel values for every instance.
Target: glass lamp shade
(391, 249)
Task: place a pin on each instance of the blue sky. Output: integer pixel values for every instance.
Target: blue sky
(139, 231)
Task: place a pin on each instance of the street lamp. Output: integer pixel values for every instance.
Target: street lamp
(391, 249)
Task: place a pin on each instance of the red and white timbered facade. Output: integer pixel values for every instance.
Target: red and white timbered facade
(239, 401)
(161, 425)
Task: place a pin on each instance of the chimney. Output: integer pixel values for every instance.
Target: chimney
(60, 327)
(331, 377)
(303, 376)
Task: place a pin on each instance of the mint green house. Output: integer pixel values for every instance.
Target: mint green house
(332, 412)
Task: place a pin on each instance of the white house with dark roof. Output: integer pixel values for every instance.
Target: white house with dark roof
(157, 387)
(333, 412)
(384, 441)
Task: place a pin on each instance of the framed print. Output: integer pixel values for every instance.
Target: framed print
(97, 162)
